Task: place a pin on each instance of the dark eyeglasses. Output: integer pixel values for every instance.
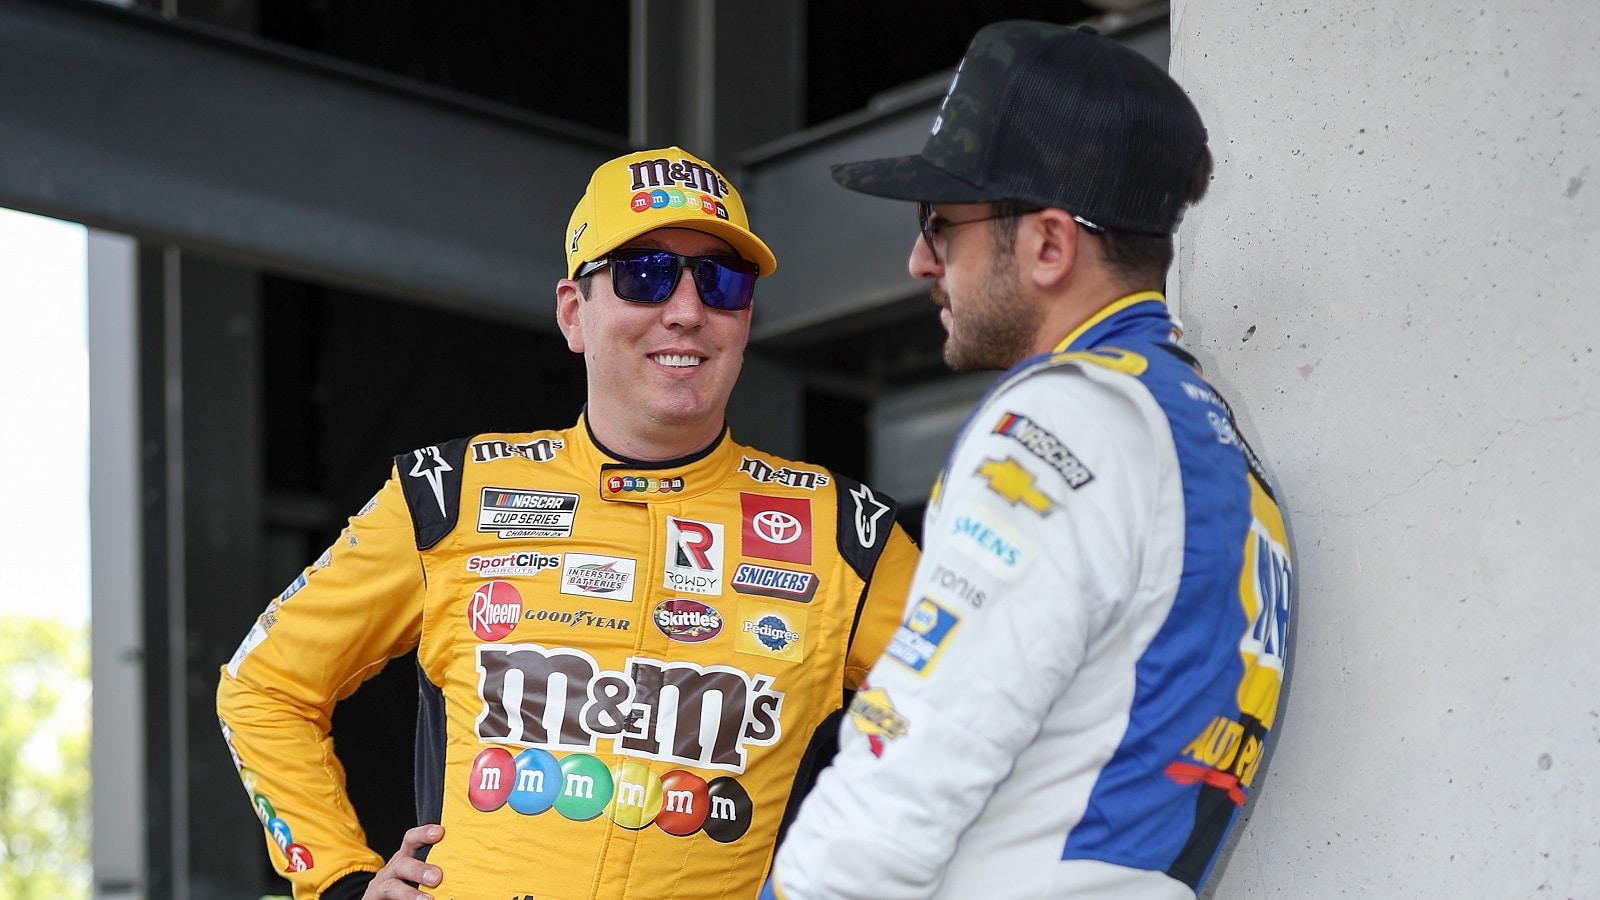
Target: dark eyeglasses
(933, 225)
(650, 276)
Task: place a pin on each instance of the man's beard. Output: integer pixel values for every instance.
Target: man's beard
(996, 327)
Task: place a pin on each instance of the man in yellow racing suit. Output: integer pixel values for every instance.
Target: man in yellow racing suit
(628, 632)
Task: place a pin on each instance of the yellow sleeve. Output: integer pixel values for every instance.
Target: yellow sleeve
(336, 625)
(884, 606)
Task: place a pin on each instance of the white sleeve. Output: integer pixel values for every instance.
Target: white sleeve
(1029, 548)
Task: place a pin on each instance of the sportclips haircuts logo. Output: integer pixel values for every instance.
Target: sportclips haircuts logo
(680, 712)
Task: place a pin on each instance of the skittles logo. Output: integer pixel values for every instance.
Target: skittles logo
(579, 787)
(687, 621)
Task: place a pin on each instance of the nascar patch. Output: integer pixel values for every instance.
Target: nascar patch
(514, 513)
(1041, 443)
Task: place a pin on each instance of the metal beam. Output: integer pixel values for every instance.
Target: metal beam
(243, 149)
(842, 255)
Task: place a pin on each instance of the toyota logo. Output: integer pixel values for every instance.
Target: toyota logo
(777, 527)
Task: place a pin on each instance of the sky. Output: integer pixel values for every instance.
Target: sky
(44, 418)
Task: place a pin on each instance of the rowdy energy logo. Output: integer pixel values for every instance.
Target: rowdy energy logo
(680, 712)
(579, 787)
(694, 557)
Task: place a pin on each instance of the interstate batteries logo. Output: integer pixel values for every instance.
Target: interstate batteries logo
(606, 577)
(527, 514)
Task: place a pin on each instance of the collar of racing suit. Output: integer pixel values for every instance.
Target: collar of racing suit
(636, 481)
(1074, 339)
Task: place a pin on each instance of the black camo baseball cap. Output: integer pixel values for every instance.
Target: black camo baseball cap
(1055, 116)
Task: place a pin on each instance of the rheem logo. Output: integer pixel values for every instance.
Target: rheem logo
(494, 610)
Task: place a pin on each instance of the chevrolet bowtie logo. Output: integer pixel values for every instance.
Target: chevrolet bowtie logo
(1011, 481)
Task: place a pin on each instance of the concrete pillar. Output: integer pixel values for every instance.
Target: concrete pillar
(199, 429)
(1394, 279)
(117, 745)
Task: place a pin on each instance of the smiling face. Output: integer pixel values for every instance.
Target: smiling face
(659, 373)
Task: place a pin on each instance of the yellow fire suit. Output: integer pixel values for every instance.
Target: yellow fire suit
(622, 665)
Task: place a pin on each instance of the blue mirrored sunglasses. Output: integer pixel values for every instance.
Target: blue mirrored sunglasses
(650, 276)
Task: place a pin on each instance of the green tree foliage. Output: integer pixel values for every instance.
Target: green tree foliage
(44, 759)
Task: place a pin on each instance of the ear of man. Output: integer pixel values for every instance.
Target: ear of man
(569, 299)
(1059, 258)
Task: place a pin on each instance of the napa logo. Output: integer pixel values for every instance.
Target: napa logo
(922, 636)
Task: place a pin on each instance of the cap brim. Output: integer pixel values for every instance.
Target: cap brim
(910, 178)
(744, 242)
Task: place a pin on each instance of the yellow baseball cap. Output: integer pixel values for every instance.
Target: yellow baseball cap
(652, 189)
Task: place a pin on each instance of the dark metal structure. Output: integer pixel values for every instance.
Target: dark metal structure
(342, 256)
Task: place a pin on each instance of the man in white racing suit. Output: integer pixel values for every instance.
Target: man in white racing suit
(1078, 698)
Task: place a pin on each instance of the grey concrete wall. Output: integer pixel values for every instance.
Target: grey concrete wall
(1394, 278)
(116, 761)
